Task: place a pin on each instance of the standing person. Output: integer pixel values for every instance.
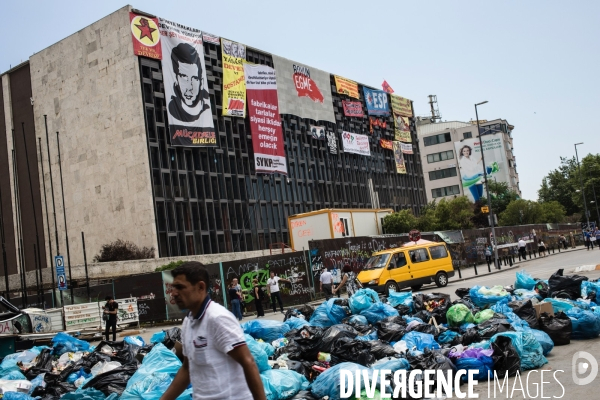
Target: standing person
(593, 239)
(259, 296)
(572, 239)
(597, 234)
(563, 241)
(488, 255)
(216, 360)
(348, 279)
(273, 289)
(326, 281)
(110, 309)
(588, 240)
(541, 248)
(234, 296)
(241, 295)
(522, 249)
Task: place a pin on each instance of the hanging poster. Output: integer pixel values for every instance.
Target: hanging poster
(407, 148)
(399, 158)
(234, 84)
(346, 86)
(353, 109)
(317, 132)
(377, 102)
(145, 36)
(355, 143)
(208, 38)
(265, 122)
(303, 91)
(401, 106)
(402, 129)
(332, 143)
(186, 86)
(386, 144)
(386, 87)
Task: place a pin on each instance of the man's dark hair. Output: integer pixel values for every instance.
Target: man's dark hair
(107, 298)
(193, 271)
(187, 54)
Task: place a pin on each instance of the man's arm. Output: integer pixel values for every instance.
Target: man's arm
(242, 356)
(180, 383)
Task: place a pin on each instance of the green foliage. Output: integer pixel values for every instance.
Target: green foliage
(522, 212)
(501, 196)
(123, 250)
(454, 214)
(402, 221)
(169, 266)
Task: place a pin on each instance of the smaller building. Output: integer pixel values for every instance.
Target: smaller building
(451, 157)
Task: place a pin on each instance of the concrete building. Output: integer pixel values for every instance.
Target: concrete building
(438, 143)
(122, 179)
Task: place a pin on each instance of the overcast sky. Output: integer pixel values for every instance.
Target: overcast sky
(534, 61)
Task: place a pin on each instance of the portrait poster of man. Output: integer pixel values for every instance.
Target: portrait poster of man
(186, 86)
(399, 158)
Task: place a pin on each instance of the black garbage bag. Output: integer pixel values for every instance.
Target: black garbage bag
(291, 334)
(308, 340)
(293, 350)
(565, 286)
(391, 329)
(44, 364)
(113, 381)
(381, 350)
(307, 310)
(432, 360)
(341, 302)
(559, 327)
(335, 332)
(172, 336)
(423, 315)
(524, 309)
(54, 389)
(356, 351)
(303, 368)
(436, 304)
(466, 300)
(402, 309)
(486, 330)
(426, 328)
(462, 292)
(361, 328)
(93, 358)
(292, 313)
(541, 288)
(123, 352)
(304, 395)
(506, 359)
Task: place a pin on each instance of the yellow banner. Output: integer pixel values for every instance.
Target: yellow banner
(402, 129)
(346, 86)
(399, 158)
(401, 106)
(234, 83)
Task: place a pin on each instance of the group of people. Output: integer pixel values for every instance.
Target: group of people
(348, 280)
(592, 237)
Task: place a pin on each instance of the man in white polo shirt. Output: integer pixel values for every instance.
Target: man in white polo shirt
(326, 281)
(215, 353)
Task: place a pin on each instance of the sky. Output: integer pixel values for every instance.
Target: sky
(535, 62)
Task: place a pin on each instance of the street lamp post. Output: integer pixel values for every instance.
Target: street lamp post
(587, 217)
(595, 201)
(489, 199)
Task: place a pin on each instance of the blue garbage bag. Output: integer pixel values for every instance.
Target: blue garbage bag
(358, 319)
(135, 340)
(160, 359)
(37, 381)
(328, 382)
(588, 287)
(296, 323)
(63, 343)
(13, 376)
(447, 337)
(464, 327)
(266, 329)
(524, 281)
(87, 394)
(391, 363)
(559, 305)
(482, 363)
(363, 299)
(76, 375)
(259, 354)
(411, 319)
(523, 294)
(517, 322)
(328, 314)
(379, 311)
(267, 347)
(281, 384)
(152, 387)
(586, 324)
(401, 298)
(483, 296)
(528, 348)
(8, 365)
(544, 339)
(420, 341)
(16, 396)
(369, 336)
(158, 337)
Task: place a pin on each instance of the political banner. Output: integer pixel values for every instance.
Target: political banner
(471, 166)
(145, 36)
(303, 91)
(401, 106)
(332, 142)
(346, 86)
(353, 109)
(402, 129)
(355, 143)
(407, 148)
(376, 122)
(399, 158)
(265, 122)
(186, 86)
(234, 84)
(377, 102)
(208, 38)
(386, 87)
(317, 132)
(61, 277)
(386, 144)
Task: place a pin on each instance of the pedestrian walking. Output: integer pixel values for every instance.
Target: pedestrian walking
(234, 296)
(523, 249)
(110, 317)
(273, 289)
(563, 241)
(326, 282)
(259, 297)
(217, 361)
(593, 239)
(541, 248)
(348, 279)
(241, 295)
(488, 255)
(588, 240)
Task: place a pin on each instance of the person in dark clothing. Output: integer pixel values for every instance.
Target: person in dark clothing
(234, 296)
(259, 296)
(110, 309)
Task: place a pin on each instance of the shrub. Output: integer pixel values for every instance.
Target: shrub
(169, 266)
(123, 250)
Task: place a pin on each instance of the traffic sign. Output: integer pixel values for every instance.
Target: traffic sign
(61, 277)
(485, 209)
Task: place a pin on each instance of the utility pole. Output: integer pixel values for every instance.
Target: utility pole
(595, 201)
(587, 217)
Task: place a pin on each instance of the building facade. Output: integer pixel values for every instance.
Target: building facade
(105, 109)
(441, 143)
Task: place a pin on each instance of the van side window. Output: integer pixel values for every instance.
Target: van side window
(438, 252)
(418, 255)
(398, 261)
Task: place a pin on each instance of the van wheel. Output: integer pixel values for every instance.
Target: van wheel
(391, 286)
(416, 287)
(441, 279)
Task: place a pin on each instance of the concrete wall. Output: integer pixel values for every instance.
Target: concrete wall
(89, 87)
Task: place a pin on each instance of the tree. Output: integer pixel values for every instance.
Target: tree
(454, 214)
(551, 212)
(519, 212)
(402, 221)
(501, 196)
(122, 250)
(428, 221)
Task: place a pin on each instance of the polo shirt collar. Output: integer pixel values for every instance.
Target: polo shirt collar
(202, 310)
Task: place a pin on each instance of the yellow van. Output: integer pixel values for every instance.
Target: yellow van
(411, 265)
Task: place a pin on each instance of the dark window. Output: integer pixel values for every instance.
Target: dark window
(437, 139)
(441, 156)
(418, 255)
(442, 173)
(445, 191)
(467, 135)
(438, 252)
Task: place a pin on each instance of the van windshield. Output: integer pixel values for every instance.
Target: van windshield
(376, 262)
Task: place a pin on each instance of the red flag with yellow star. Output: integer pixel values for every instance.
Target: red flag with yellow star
(145, 36)
(386, 87)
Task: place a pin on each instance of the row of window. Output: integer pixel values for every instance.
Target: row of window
(442, 173)
(441, 156)
(437, 139)
(445, 191)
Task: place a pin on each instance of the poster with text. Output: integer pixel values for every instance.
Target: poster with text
(470, 163)
(265, 122)
(234, 83)
(407, 148)
(332, 142)
(145, 36)
(402, 129)
(346, 86)
(401, 106)
(186, 86)
(303, 91)
(399, 158)
(386, 144)
(376, 101)
(353, 109)
(355, 143)
(209, 38)
(317, 132)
